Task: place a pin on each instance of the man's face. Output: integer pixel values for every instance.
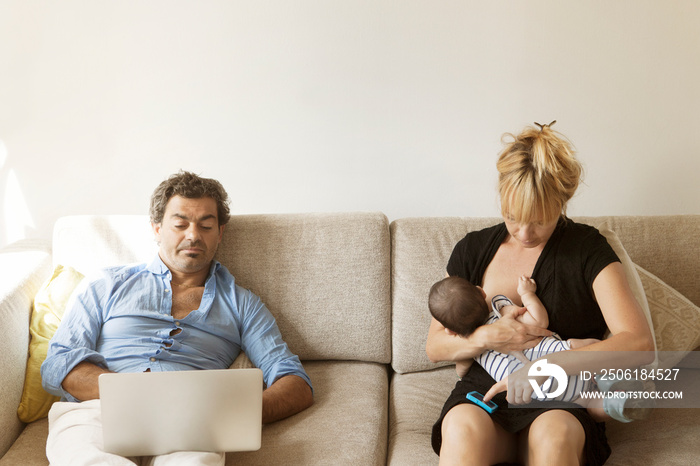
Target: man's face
(189, 234)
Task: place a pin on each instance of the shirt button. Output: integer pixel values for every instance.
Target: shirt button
(167, 290)
(177, 322)
(153, 359)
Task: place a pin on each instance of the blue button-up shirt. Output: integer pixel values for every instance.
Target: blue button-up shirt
(122, 321)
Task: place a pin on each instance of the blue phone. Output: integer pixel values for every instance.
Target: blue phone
(478, 398)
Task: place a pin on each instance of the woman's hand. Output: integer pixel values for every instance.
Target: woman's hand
(504, 335)
(519, 390)
(496, 388)
(508, 334)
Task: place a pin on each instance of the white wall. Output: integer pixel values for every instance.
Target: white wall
(300, 106)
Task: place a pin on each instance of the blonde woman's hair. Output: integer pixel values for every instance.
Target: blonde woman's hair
(537, 175)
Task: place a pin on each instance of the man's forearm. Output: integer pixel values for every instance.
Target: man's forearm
(81, 382)
(286, 397)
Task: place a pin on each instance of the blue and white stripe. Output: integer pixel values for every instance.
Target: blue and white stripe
(498, 365)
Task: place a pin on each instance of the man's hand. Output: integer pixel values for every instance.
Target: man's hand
(507, 334)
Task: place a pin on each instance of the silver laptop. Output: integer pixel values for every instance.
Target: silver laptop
(154, 413)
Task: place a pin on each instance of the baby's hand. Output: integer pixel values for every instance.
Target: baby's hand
(526, 285)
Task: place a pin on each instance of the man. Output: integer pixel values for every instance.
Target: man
(182, 311)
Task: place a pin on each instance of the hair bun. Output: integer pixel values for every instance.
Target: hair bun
(542, 127)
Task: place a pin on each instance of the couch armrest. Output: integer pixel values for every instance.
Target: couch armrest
(24, 266)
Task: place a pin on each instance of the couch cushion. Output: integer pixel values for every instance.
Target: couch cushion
(325, 277)
(30, 447)
(415, 402)
(667, 437)
(347, 423)
(420, 248)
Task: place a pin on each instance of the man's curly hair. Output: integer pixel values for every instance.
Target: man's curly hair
(190, 186)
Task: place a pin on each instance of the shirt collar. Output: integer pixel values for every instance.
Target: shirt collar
(157, 266)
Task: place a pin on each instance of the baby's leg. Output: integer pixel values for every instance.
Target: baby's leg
(462, 368)
(595, 409)
(621, 409)
(577, 343)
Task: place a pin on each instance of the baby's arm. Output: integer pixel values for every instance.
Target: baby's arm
(536, 313)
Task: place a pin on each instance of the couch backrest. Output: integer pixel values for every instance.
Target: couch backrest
(325, 277)
(90, 242)
(420, 248)
(666, 246)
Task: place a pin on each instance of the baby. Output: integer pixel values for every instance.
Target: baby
(461, 308)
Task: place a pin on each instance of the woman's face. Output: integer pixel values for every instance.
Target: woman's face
(530, 235)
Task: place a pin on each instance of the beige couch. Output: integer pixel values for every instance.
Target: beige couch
(349, 293)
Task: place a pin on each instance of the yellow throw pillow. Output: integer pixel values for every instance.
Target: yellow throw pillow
(49, 305)
(676, 319)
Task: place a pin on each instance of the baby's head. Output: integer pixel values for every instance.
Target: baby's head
(458, 305)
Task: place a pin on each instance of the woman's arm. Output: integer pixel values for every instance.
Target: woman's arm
(630, 345)
(504, 335)
(629, 330)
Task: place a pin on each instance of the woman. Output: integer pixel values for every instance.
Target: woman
(581, 284)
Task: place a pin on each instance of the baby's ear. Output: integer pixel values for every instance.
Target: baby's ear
(450, 332)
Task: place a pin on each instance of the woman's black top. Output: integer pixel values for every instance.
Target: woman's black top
(564, 273)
